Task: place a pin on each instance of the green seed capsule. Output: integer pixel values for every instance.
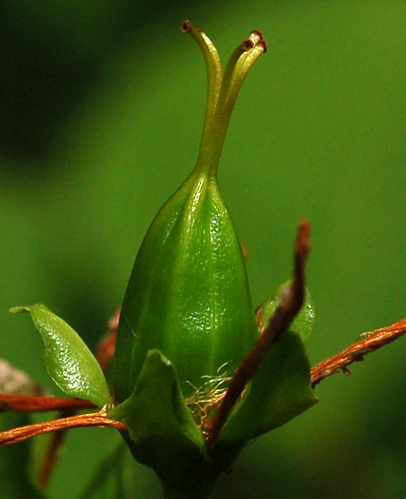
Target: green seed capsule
(188, 294)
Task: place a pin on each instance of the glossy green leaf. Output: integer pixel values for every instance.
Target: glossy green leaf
(162, 432)
(15, 480)
(69, 361)
(303, 324)
(280, 391)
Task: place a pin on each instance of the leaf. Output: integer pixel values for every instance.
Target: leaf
(68, 359)
(280, 391)
(15, 481)
(163, 434)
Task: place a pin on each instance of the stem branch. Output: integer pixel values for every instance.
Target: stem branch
(291, 301)
(355, 353)
(83, 420)
(41, 404)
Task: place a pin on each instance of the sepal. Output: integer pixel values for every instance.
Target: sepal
(280, 391)
(162, 432)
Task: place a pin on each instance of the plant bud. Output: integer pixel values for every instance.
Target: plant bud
(188, 293)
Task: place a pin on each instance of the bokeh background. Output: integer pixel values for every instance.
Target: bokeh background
(101, 109)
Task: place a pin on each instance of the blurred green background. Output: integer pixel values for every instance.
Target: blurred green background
(101, 109)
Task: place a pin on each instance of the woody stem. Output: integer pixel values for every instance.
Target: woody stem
(291, 301)
(83, 420)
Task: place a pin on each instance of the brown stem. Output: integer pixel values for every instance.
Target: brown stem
(41, 404)
(83, 420)
(355, 353)
(291, 301)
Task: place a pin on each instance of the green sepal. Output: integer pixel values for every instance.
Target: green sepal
(280, 391)
(162, 432)
(69, 361)
(303, 324)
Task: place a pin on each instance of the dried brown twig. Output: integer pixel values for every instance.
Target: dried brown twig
(291, 301)
(356, 352)
(83, 420)
(41, 404)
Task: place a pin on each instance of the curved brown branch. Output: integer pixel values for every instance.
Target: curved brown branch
(290, 303)
(23, 433)
(41, 404)
(356, 352)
